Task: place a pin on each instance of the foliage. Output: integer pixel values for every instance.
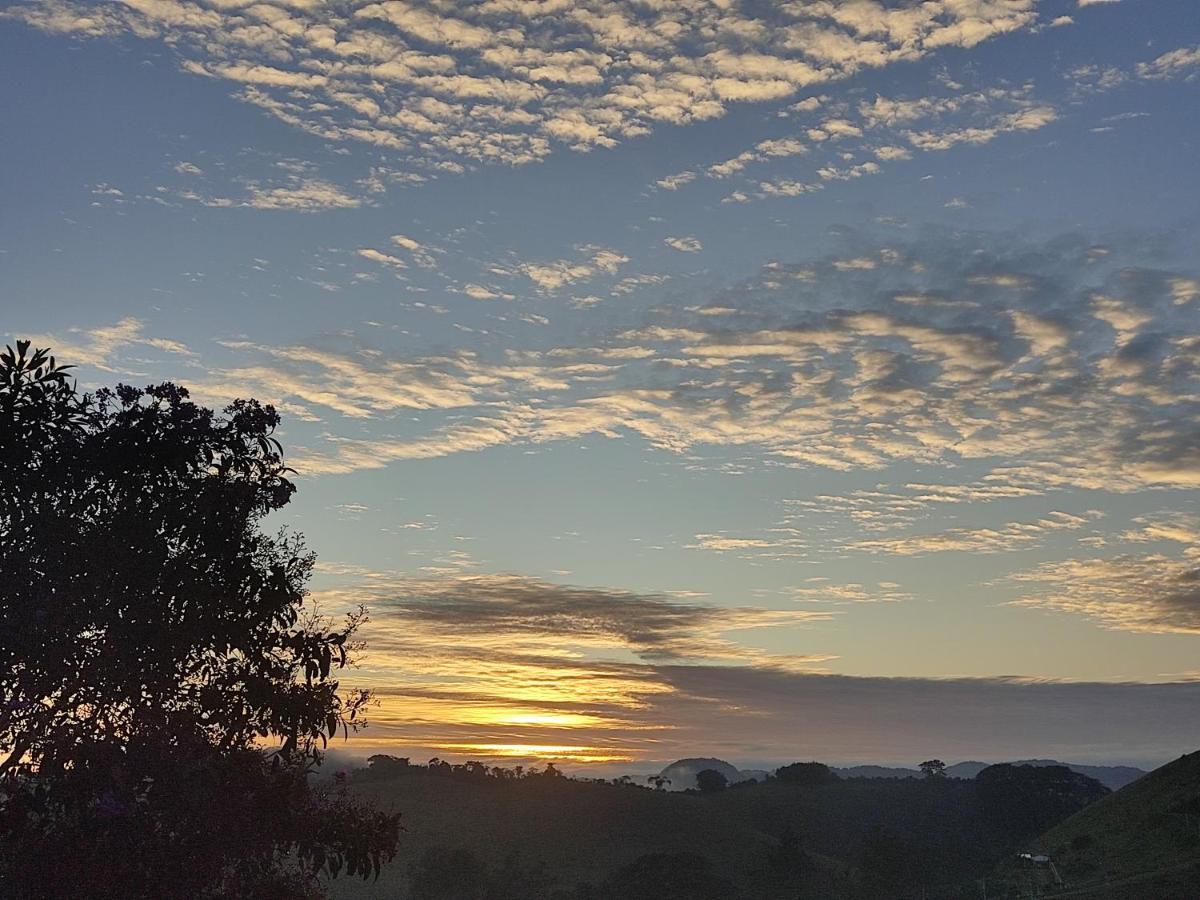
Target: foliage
(887, 859)
(456, 873)
(806, 773)
(1023, 800)
(710, 780)
(448, 873)
(787, 858)
(153, 637)
(933, 768)
(667, 876)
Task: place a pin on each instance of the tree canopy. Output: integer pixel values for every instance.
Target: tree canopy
(160, 666)
(1023, 800)
(806, 773)
(933, 768)
(710, 780)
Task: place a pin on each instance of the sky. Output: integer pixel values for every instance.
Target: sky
(770, 381)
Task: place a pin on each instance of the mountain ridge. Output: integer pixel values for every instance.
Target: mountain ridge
(681, 773)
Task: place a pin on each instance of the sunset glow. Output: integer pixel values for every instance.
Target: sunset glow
(771, 381)
(548, 752)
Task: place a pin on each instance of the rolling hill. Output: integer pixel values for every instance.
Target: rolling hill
(584, 832)
(1141, 842)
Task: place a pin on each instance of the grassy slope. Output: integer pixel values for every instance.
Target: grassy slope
(1135, 843)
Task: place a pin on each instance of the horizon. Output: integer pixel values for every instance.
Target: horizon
(341, 758)
(752, 378)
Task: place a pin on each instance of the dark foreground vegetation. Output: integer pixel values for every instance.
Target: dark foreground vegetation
(475, 832)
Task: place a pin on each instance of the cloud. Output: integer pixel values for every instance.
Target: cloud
(102, 347)
(883, 128)
(1029, 119)
(382, 258)
(298, 194)
(475, 606)
(684, 244)
(676, 181)
(534, 667)
(509, 82)
(423, 255)
(1052, 366)
(1011, 536)
(816, 592)
(1172, 64)
(551, 276)
(1155, 592)
(874, 719)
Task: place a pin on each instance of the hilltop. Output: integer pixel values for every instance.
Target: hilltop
(1112, 777)
(1142, 841)
(682, 772)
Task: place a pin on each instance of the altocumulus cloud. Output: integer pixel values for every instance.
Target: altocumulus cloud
(507, 82)
(1052, 368)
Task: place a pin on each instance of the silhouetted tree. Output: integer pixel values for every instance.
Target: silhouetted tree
(933, 768)
(806, 773)
(660, 782)
(710, 780)
(381, 767)
(152, 638)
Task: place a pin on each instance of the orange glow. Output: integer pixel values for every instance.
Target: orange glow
(540, 751)
(537, 719)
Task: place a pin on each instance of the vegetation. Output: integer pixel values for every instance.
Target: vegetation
(1021, 801)
(710, 780)
(800, 836)
(1142, 841)
(806, 773)
(153, 640)
(933, 768)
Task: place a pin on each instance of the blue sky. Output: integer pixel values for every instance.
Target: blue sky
(655, 371)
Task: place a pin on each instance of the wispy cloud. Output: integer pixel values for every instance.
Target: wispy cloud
(1129, 591)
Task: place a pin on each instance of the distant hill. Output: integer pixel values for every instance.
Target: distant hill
(1141, 842)
(1112, 777)
(682, 773)
(876, 772)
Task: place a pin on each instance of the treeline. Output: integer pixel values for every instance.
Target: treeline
(382, 767)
